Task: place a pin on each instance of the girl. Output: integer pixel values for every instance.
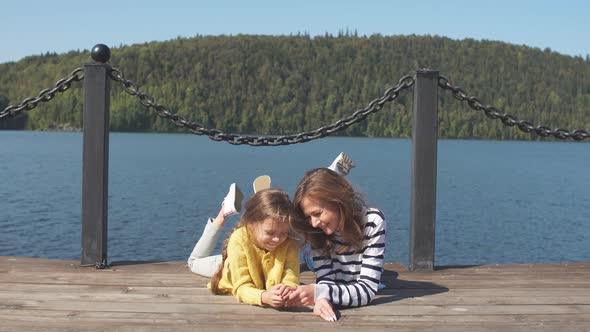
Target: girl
(347, 241)
(259, 263)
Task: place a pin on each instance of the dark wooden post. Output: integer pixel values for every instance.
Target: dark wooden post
(95, 168)
(423, 201)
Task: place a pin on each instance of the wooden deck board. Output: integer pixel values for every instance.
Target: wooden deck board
(55, 295)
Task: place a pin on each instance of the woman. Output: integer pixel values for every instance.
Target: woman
(347, 241)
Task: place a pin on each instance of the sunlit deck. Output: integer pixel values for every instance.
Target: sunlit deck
(55, 295)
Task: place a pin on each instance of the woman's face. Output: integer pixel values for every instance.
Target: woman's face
(269, 234)
(322, 215)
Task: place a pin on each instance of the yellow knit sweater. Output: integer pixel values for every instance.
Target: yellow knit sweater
(248, 271)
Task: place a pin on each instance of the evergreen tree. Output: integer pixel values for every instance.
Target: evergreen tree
(279, 85)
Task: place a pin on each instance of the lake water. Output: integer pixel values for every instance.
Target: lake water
(497, 202)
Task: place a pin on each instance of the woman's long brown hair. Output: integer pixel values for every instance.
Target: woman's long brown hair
(329, 187)
(268, 203)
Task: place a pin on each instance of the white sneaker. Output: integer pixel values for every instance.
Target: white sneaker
(261, 182)
(232, 203)
(342, 164)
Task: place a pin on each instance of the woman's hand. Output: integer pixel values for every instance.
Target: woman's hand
(304, 295)
(277, 296)
(285, 290)
(323, 308)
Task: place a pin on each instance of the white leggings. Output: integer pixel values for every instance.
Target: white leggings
(200, 261)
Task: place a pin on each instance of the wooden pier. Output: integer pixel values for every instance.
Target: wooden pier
(55, 295)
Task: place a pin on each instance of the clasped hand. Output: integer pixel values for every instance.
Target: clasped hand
(282, 295)
(303, 295)
(278, 295)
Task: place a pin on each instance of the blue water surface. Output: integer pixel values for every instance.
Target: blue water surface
(497, 201)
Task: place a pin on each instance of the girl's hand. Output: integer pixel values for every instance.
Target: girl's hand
(272, 298)
(323, 308)
(285, 290)
(303, 295)
(277, 296)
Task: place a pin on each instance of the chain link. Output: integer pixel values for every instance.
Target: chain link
(44, 96)
(509, 120)
(392, 93)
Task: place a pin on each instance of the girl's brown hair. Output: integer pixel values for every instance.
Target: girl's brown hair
(329, 187)
(268, 203)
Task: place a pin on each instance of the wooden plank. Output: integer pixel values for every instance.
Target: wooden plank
(202, 296)
(201, 291)
(35, 264)
(231, 307)
(53, 295)
(43, 315)
(185, 278)
(84, 318)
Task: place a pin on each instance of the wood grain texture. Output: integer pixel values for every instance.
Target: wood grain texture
(56, 295)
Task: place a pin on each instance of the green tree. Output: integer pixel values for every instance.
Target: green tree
(287, 84)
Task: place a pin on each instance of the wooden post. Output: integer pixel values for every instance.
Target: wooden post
(95, 166)
(423, 200)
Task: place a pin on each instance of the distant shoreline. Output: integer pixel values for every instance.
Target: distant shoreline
(61, 128)
(70, 129)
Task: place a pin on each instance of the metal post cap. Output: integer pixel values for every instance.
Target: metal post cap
(100, 53)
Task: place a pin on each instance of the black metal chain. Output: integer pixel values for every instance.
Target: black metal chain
(391, 94)
(509, 120)
(131, 88)
(44, 96)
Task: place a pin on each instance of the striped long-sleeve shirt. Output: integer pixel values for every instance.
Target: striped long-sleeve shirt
(351, 279)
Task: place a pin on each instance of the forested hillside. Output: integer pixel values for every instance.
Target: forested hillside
(287, 84)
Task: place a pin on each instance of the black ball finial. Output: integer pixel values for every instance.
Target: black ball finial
(100, 53)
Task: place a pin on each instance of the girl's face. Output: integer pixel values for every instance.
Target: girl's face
(269, 234)
(322, 215)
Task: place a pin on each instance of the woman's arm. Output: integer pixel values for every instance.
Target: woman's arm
(360, 289)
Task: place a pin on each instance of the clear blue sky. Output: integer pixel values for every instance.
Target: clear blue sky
(32, 27)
